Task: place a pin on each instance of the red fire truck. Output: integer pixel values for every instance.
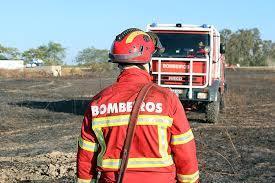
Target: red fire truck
(192, 65)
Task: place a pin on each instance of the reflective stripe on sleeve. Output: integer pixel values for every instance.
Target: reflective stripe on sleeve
(101, 141)
(86, 145)
(188, 178)
(182, 138)
(86, 180)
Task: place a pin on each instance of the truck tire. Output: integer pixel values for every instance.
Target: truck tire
(212, 110)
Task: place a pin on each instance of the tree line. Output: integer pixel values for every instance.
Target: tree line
(52, 53)
(244, 47)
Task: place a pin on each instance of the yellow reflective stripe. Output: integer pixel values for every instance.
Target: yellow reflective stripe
(134, 34)
(86, 180)
(182, 138)
(188, 178)
(124, 120)
(87, 145)
(162, 122)
(139, 162)
(162, 137)
(101, 141)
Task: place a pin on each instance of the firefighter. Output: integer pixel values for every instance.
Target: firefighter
(163, 147)
(202, 50)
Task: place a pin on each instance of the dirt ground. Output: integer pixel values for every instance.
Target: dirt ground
(40, 121)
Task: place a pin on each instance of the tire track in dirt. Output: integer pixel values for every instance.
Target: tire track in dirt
(68, 84)
(41, 144)
(234, 127)
(39, 158)
(33, 129)
(41, 85)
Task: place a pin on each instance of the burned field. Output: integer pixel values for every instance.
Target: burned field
(40, 122)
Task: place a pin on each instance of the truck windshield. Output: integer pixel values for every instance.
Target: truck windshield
(184, 45)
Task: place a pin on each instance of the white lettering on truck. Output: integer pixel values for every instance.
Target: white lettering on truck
(175, 78)
(175, 66)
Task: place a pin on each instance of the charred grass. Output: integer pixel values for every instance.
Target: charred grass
(41, 119)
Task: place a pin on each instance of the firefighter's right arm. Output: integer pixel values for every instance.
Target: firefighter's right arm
(183, 145)
(87, 152)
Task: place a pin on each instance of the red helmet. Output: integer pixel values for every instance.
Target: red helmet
(132, 46)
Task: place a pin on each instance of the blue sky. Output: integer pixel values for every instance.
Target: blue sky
(78, 24)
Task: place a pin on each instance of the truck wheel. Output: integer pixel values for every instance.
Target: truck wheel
(212, 110)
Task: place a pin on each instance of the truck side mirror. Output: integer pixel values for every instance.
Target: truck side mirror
(222, 48)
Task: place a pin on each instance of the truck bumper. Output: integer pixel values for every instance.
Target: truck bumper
(198, 94)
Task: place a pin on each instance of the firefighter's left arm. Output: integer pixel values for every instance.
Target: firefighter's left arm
(182, 144)
(87, 151)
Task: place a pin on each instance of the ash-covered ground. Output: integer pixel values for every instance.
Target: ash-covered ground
(40, 122)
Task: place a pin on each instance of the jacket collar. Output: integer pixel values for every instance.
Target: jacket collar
(134, 75)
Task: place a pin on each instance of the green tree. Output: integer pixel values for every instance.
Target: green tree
(2, 57)
(55, 53)
(9, 53)
(51, 54)
(96, 59)
(91, 55)
(245, 47)
(268, 45)
(272, 51)
(225, 35)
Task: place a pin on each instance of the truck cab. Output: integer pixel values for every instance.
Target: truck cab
(192, 66)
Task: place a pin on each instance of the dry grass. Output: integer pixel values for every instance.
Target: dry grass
(258, 68)
(263, 78)
(26, 74)
(101, 71)
(236, 100)
(72, 71)
(67, 72)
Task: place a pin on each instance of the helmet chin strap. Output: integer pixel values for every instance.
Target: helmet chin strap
(147, 67)
(128, 66)
(150, 68)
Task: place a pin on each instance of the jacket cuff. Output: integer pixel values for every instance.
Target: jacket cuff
(188, 177)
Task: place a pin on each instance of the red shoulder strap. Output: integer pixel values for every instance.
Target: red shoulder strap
(131, 130)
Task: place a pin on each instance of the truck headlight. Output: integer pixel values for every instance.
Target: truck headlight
(202, 95)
